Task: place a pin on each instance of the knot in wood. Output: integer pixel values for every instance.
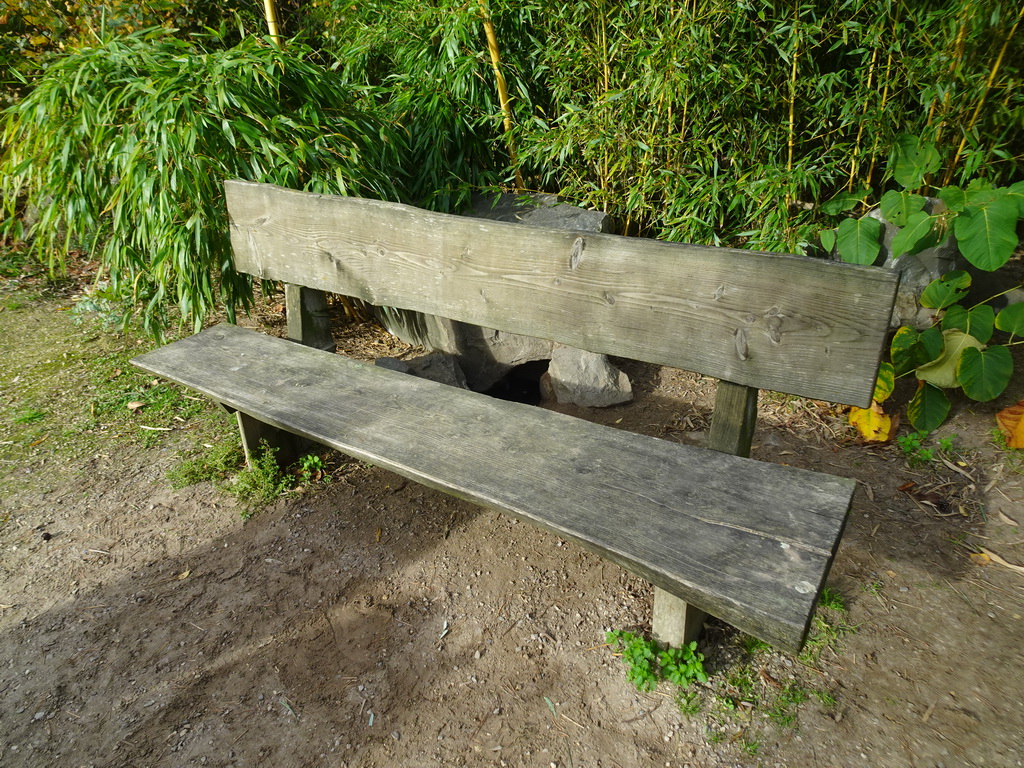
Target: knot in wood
(576, 254)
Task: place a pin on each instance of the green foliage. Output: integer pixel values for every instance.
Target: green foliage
(432, 75)
(123, 147)
(709, 121)
(828, 626)
(213, 465)
(261, 482)
(957, 352)
(30, 416)
(983, 217)
(913, 447)
(647, 664)
(32, 31)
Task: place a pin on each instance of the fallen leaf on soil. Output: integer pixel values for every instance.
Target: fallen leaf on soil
(980, 558)
(1011, 424)
(135, 405)
(872, 423)
(1007, 520)
(184, 575)
(998, 560)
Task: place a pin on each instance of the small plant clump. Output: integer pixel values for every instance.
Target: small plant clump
(917, 454)
(647, 664)
(261, 482)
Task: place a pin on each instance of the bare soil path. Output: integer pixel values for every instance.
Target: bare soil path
(372, 622)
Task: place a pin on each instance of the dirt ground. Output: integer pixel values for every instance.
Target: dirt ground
(372, 622)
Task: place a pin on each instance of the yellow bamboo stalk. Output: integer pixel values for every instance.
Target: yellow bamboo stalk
(270, 10)
(499, 78)
(984, 94)
(792, 105)
(854, 161)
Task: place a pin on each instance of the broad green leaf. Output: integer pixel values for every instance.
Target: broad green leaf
(845, 201)
(987, 234)
(984, 373)
(1016, 193)
(941, 372)
(928, 408)
(913, 159)
(828, 240)
(946, 290)
(932, 341)
(977, 321)
(954, 198)
(858, 240)
(1011, 319)
(906, 350)
(916, 235)
(885, 383)
(898, 206)
(980, 192)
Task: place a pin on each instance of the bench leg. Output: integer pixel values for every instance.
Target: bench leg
(309, 319)
(675, 622)
(254, 432)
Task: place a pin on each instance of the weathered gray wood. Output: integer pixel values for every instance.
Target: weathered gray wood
(734, 419)
(679, 516)
(732, 431)
(675, 622)
(772, 321)
(255, 434)
(309, 321)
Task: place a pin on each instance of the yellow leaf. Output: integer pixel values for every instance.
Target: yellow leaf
(184, 575)
(980, 558)
(1011, 424)
(872, 423)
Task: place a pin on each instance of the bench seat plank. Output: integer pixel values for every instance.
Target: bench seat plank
(668, 512)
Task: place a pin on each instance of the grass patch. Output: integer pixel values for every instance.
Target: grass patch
(213, 465)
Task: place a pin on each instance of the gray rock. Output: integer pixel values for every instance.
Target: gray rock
(436, 366)
(583, 378)
(917, 270)
(439, 367)
(392, 364)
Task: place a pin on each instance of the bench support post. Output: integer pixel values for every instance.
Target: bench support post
(254, 433)
(309, 322)
(675, 622)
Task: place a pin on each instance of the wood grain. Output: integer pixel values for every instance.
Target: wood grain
(770, 321)
(747, 541)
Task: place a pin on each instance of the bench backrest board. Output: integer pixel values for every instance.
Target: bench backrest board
(785, 323)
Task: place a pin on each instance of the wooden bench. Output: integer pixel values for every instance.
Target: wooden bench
(747, 541)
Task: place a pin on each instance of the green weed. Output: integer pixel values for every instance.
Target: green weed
(261, 482)
(214, 465)
(647, 664)
(782, 711)
(30, 416)
(828, 627)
